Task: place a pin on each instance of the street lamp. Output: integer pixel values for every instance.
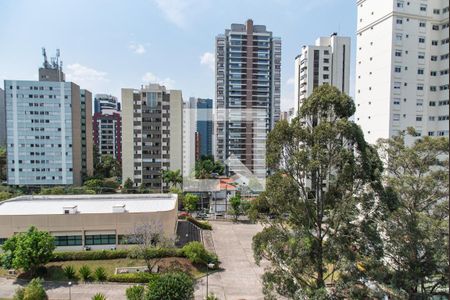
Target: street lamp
(70, 290)
(208, 266)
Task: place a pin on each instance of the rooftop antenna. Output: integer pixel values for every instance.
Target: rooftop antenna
(58, 64)
(46, 64)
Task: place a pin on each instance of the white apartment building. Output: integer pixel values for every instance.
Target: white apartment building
(402, 66)
(328, 61)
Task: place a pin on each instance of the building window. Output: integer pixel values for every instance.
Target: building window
(443, 118)
(100, 239)
(68, 240)
(421, 55)
(420, 87)
(396, 117)
(420, 71)
(444, 56)
(433, 88)
(435, 27)
(421, 40)
(431, 118)
(397, 69)
(398, 36)
(397, 85)
(434, 43)
(430, 133)
(419, 118)
(443, 102)
(422, 24)
(419, 102)
(400, 4)
(396, 101)
(433, 58)
(432, 103)
(436, 11)
(423, 7)
(398, 53)
(433, 73)
(399, 21)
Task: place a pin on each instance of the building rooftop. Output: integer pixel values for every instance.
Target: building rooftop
(87, 204)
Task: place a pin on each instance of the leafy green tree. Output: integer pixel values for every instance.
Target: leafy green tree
(28, 250)
(171, 286)
(111, 167)
(206, 166)
(172, 178)
(318, 207)
(128, 186)
(5, 195)
(236, 203)
(190, 202)
(416, 227)
(33, 291)
(94, 184)
(136, 292)
(197, 254)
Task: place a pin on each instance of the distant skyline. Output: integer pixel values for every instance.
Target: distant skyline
(109, 45)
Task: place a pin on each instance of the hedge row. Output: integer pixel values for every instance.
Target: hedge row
(90, 255)
(202, 224)
(140, 277)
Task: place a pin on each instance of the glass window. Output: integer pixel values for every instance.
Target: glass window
(396, 117)
(68, 240)
(100, 239)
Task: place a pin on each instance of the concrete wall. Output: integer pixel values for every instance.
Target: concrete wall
(127, 134)
(76, 134)
(89, 137)
(176, 130)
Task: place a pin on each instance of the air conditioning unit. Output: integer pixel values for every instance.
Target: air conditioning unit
(69, 210)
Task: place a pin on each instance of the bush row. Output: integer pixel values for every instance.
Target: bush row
(202, 224)
(133, 277)
(90, 255)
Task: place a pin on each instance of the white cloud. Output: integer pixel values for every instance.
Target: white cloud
(178, 11)
(137, 48)
(152, 78)
(208, 59)
(79, 73)
(290, 81)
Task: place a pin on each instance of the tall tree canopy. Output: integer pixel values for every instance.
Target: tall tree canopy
(416, 226)
(320, 202)
(206, 166)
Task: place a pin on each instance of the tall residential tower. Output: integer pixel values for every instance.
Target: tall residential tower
(402, 66)
(327, 62)
(152, 121)
(248, 65)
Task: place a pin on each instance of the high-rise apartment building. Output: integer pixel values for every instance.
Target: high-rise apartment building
(152, 121)
(402, 66)
(326, 62)
(47, 130)
(107, 126)
(204, 125)
(189, 137)
(108, 133)
(105, 101)
(2, 119)
(248, 65)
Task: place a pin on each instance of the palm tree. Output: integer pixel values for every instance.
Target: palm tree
(172, 178)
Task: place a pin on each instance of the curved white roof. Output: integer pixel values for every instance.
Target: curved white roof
(87, 204)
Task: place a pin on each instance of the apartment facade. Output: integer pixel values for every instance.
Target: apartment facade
(204, 126)
(248, 65)
(107, 126)
(2, 119)
(105, 102)
(402, 66)
(189, 137)
(326, 62)
(152, 121)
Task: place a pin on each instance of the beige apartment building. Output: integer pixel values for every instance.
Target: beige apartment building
(90, 222)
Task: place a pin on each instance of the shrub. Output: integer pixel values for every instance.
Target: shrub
(33, 291)
(136, 292)
(89, 255)
(197, 254)
(211, 296)
(136, 253)
(85, 273)
(133, 277)
(202, 224)
(99, 296)
(69, 272)
(100, 274)
(174, 286)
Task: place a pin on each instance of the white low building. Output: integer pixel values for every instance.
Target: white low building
(89, 221)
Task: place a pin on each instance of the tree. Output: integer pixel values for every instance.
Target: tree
(33, 291)
(127, 186)
(197, 254)
(28, 250)
(235, 203)
(171, 286)
(172, 178)
(99, 296)
(206, 166)
(319, 205)
(190, 202)
(416, 227)
(149, 238)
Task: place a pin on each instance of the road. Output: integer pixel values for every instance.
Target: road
(241, 277)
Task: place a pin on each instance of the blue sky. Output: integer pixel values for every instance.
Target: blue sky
(110, 44)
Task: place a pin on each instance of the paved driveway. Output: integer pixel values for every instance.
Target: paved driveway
(241, 277)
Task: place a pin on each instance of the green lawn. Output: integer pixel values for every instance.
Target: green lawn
(55, 269)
